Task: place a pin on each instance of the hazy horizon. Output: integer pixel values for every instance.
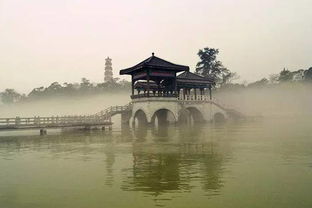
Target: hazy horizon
(46, 41)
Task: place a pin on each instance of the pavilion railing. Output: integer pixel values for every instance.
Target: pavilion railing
(175, 95)
(194, 98)
(171, 95)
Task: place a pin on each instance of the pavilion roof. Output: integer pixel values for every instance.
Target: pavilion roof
(154, 62)
(189, 76)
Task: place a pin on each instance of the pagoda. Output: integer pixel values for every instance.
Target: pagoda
(108, 74)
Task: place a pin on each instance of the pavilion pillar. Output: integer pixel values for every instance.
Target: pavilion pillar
(132, 85)
(210, 94)
(148, 82)
(195, 93)
(175, 83)
(158, 88)
(201, 93)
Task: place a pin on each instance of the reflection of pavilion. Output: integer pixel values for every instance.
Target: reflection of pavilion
(156, 171)
(110, 160)
(156, 133)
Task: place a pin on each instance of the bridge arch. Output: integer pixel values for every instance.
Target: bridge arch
(140, 118)
(190, 115)
(163, 116)
(184, 116)
(196, 114)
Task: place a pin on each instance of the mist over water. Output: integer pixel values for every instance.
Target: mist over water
(291, 99)
(83, 105)
(272, 100)
(260, 163)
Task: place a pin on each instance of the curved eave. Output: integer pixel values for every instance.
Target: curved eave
(132, 70)
(194, 81)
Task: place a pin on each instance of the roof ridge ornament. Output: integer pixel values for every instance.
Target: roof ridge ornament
(153, 54)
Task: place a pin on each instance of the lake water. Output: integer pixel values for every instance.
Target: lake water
(264, 163)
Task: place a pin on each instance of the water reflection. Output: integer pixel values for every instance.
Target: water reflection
(153, 161)
(176, 162)
(164, 166)
(140, 133)
(109, 162)
(156, 172)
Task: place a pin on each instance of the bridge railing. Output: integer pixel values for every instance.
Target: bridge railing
(51, 121)
(221, 104)
(205, 98)
(108, 112)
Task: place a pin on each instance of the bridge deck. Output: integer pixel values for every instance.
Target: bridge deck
(102, 118)
(52, 122)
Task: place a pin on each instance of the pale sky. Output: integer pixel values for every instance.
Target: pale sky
(42, 41)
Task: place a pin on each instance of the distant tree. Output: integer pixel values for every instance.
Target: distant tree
(125, 84)
(232, 86)
(228, 77)
(67, 89)
(209, 66)
(85, 85)
(67, 85)
(10, 96)
(36, 92)
(285, 76)
(298, 75)
(273, 78)
(54, 88)
(23, 97)
(116, 79)
(260, 83)
(85, 82)
(308, 74)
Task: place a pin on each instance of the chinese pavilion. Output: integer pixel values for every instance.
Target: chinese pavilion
(155, 77)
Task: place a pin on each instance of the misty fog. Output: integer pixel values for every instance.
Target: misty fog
(59, 106)
(273, 100)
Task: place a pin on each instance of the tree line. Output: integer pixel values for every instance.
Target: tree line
(208, 66)
(85, 87)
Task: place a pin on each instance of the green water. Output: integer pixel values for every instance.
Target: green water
(265, 163)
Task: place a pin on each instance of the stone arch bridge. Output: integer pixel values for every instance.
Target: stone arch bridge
(162, 110)
(148, 110)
